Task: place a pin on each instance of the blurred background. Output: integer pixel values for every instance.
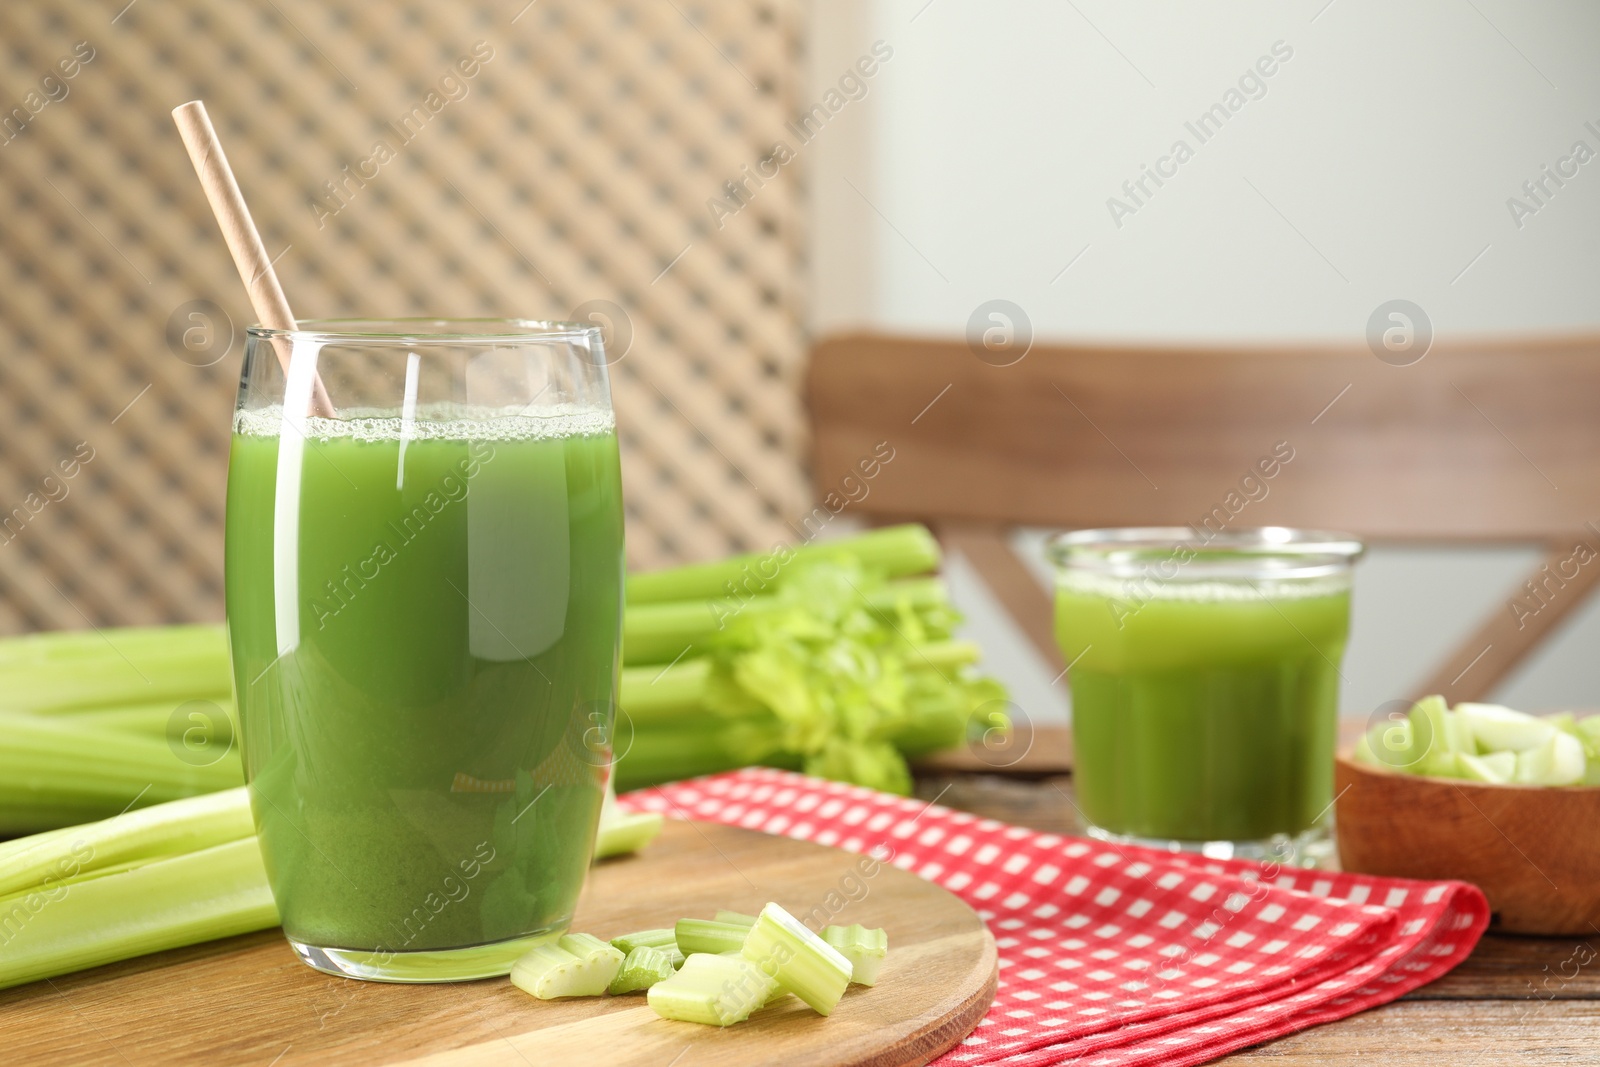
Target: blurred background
(725, 185)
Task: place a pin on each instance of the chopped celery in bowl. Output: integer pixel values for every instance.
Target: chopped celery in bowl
(1484, 794)
(1485, 743)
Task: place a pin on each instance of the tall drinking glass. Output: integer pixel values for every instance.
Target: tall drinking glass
(424, 603)
(1205, 684)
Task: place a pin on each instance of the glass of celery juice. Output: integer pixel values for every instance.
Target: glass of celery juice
(1205, 684)
(424, 605)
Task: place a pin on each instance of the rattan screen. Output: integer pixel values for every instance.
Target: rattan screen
(536, 161)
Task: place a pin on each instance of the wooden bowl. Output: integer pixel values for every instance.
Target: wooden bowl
(1535, 852)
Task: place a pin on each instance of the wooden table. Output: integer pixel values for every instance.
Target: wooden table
(1515, 1000)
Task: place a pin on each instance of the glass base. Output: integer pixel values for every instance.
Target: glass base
(1311, 848)
(436, 965)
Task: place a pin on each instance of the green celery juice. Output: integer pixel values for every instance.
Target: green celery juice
(425, 620)
(1205, 710)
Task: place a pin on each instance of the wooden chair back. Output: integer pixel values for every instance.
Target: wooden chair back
(1487, 441)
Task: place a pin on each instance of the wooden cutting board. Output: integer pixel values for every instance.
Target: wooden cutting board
(247, 1000)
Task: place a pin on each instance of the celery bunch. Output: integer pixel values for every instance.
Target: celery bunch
(839, 666)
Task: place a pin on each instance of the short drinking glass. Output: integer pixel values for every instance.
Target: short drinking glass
(424, 598)
(1205, 684)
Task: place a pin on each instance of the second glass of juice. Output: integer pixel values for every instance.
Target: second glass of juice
(424, 603)
(1205, 684)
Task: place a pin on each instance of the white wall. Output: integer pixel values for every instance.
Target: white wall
(1376, 165)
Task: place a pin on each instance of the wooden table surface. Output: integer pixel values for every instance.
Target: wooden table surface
(1515, 1000)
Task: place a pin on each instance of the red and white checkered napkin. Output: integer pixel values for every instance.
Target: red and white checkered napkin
(1112, 955)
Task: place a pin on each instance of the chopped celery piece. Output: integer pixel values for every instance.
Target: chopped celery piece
(578, 965)
(712, 989)
(1392, 745)
(621, 832)
(1499, 729)
(1558, 761)
(642, 968)
(589, 947)
(1587, 730)
(799, 960)
(864, 948)
(662, 938)
(740, 918)
(1496, 767)
(549, 971)
(625, 832)
(708, 935)
(1437, 736)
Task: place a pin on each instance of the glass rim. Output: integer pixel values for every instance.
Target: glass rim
(421, 330)
(1276, 551)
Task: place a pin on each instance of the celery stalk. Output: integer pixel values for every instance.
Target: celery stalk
(708, 935)
(864, 948)
(711, 989)
(737, 917)
(18, 845)
(661, 632)
(182, 900)
(642, 968)
(894, 551)
(797, 959)
(706, 746)
(50, 767)
(655, 696)
(84, 668)
(163, 830)
(578, 965)
(150, 719)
